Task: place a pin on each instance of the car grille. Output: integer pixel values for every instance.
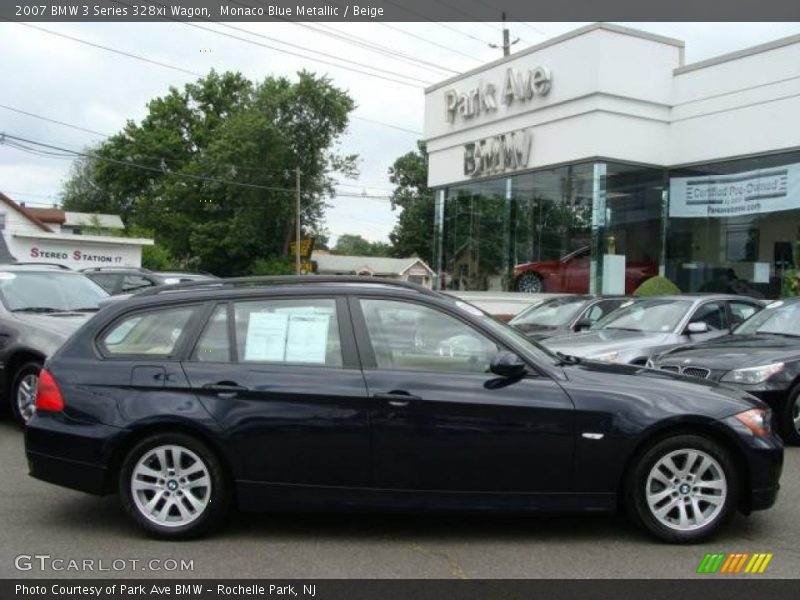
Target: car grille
(699, 372)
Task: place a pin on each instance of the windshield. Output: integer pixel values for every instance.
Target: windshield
(646, 315)
(534, 350)
(551, 313)
(49, 292)
(778, 318)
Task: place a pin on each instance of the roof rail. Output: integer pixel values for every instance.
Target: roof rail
(116, 268)
(42, 264)
(234, 282)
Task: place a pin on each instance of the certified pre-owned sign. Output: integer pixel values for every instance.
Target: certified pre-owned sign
(518, 86)
(498, 154)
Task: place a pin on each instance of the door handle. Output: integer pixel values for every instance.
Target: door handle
(397, 399)
(225, 389)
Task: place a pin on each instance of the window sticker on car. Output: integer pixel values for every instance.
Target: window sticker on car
(266, 336)
(307, 339)
(7, 276)
(469, 308)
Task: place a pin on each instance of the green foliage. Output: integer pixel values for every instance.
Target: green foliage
(219, 158)
(657, 286)
(355, 245)
(413, 234)
(272, 266)
(791, 283)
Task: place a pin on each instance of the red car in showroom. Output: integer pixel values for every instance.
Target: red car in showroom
(570, 274)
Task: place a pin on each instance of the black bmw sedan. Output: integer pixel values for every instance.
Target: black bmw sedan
(345, 392)
(761, 357)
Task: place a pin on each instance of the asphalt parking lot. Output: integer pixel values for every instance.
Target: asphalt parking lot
(41, 519)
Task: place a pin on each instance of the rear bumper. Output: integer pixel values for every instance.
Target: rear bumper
(71, 453)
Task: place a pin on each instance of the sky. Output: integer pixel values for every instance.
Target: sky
(97, 90)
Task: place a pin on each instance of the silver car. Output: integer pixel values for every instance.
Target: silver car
(633, 333)
(40, 307)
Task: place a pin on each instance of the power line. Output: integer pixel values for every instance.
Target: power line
(19, 143)
(49, 120)
(426, 40)
(108, 49)
(168, 66)
(424, 18)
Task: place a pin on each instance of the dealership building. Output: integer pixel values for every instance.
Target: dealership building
(599, 157)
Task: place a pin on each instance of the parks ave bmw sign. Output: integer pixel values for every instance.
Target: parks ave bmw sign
(507, 151)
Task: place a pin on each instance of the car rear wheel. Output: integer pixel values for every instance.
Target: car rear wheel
(683, 488)
(174, 487)
(23, 392)
(790, 419)
(530, 283)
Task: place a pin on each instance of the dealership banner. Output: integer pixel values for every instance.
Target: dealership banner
(748, 193)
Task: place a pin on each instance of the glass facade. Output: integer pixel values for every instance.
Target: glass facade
(605, 227)
(550, 230)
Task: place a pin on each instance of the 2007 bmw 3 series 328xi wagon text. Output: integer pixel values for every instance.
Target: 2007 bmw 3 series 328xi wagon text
(333, 393)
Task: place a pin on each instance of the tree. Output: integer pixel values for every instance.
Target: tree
(413, 234)
(355, 245)
(215, 168)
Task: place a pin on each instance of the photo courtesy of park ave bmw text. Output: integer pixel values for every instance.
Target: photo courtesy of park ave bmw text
(407, 299)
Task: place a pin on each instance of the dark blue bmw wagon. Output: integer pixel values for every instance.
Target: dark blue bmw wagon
(344, 392)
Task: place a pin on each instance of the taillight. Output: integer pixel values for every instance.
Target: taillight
(48, 396)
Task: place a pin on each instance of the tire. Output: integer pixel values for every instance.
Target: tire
(185, 507)
(678, 502)
(530, 283)
(22, 394)
(789, 422)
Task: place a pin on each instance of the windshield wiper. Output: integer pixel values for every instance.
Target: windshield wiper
(37, 309)
(620, 329)
(781, 334)
(567, 359)
(85, 309)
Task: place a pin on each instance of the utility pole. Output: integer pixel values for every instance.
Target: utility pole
(506, 39)
(297, 222)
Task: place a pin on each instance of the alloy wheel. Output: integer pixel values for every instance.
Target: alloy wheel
(796, 414)
(171, 485)
(686, 489)
(26, 396)
(530, 284)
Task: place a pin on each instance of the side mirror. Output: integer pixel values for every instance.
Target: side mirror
(507, 364)
(582, 324)
(697, 327)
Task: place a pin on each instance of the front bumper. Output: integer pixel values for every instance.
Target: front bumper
(71, 453)
(764, 457)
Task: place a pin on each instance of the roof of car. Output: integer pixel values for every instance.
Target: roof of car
(37, 268)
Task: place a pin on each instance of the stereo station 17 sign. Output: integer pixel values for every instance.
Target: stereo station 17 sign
(747, 193)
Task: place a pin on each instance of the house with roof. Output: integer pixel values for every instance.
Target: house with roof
(76, 240)
(411, 269)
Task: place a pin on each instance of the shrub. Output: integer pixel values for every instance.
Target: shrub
(273, 265)
(791, 283)
(657, 286)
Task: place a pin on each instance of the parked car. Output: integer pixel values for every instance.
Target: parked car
(566, 314)
(501, 305)
(634, 333)
(761, 357)
(40, 306)
(570, 274)
(302, 392)
(127, 280)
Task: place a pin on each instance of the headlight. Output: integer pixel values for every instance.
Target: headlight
(752, 375)
(607, 357)
(757, 420)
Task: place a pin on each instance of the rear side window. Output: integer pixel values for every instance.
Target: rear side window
(296, 331)
(214, 344)
(152, 333)
(107, 281)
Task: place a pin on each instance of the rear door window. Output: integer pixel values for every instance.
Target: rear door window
(292, 331)
(153, 333)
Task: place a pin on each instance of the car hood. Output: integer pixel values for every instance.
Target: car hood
(600, 341)
(658, 392)
(735, 351)
(58, 325)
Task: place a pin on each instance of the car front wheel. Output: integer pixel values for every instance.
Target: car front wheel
(174, 487)
(530, 283)
(683, 488)
(23, 392)
(790, 419)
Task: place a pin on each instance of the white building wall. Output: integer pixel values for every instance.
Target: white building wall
(625, 95)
